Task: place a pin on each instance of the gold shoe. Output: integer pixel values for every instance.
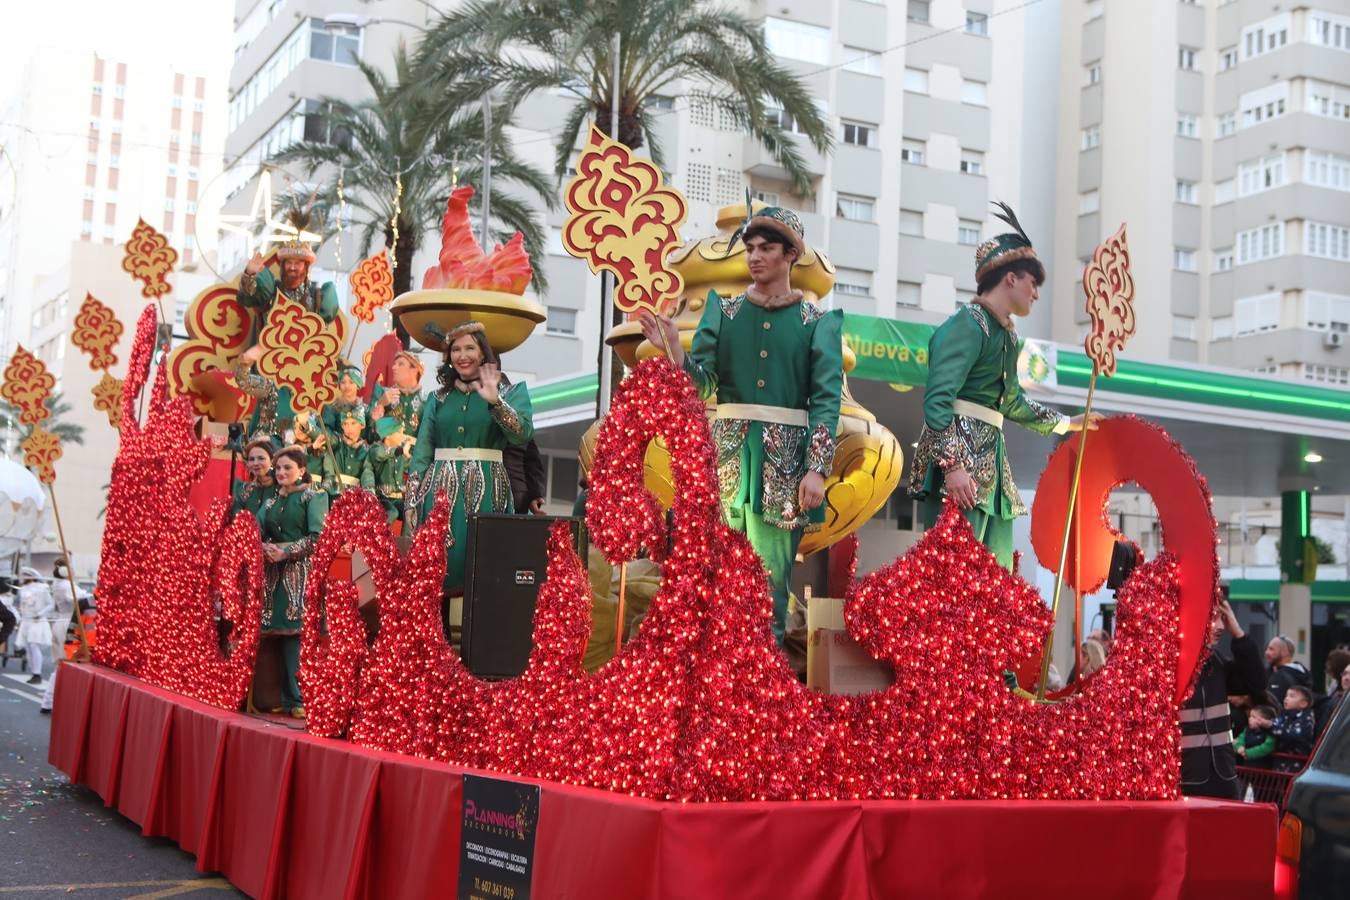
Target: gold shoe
(277, 710)
(298, 712)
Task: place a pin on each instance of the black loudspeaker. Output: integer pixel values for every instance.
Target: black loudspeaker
(505, 563)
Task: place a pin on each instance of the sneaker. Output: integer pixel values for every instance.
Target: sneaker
(46, 710)
(36, 679)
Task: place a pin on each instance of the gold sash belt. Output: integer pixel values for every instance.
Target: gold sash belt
(758, 412)
(976, 411)
(349, 480)
(452, 454)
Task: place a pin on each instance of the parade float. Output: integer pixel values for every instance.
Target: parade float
(678, 767)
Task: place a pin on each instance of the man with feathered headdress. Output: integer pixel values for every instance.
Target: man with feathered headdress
(258, 286)
(972, 387)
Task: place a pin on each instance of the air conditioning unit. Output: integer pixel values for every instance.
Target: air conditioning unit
(1333, 339)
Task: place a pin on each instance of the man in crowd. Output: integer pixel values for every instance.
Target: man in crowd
(1284, 671)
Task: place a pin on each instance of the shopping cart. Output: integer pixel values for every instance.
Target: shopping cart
(1270, 785)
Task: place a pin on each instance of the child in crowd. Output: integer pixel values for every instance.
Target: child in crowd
(1257, 742)
(1295, 729)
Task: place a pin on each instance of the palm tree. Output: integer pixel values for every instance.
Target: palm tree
(662, 44)
(13, 432)
(406, 135)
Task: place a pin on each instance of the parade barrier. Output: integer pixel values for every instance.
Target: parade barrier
(283, 813)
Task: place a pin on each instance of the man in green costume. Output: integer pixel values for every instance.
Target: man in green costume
(972, 387)
(349, 464)
(388, 459)
(774, 361)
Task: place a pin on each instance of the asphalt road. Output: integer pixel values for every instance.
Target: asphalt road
(58, 839)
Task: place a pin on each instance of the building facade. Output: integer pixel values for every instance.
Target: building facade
(1224, 126)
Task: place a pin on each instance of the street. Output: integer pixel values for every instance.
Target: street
(59, 839)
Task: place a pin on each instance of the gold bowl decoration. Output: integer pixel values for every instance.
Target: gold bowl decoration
(509, 319)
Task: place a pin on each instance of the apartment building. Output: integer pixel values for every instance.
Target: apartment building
(1219, 130)
(94, 144)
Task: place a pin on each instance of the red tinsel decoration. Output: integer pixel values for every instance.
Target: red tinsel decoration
(702, 705)
(164, 569)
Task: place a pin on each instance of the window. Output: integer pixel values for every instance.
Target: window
(1326, 374)
(917, 11)
(177, 102)
(1263, 37)
(1183, 260)
(1188, 126)
(1089, 202)
(1223, 191)
(916, 80)
(768, 197)
(972, 162)
(912, 152)
(1257, 244)
(1228, 58)
(773, 114)
(856, 209)
(864, 62)
(1326, 170)
(1327, 100)
(1221, 328)
(853, 282)
(968, 232)
(86, 228)
(911, 222)
(1264, 103)
(1186, 192)
(1260, 175)
(1093, 74)
(1223, 259)
(317, 127)
(977, 23)
(1329, 30)
(561, 321)
(656, 101)
(168, 204)
(114, 160)
(907, 294)
(1092, 137)
(335, 47)
(1327, 312)
(89, 194)
(1253, 315)
(1183, 328)
(1186, 59)
(1225, 124)
(859, 135)
(1326, 241)
(975, 93)
(191, 207)
(797, 40)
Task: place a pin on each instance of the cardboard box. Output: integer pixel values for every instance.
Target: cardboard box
(835, 664)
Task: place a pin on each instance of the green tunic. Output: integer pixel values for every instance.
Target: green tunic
(789, 357)
(388, 466)
(249, 497)
(293, 522)
(971, 357)
(333, 412)
(458, 420)
(408, 410)
(346, 467)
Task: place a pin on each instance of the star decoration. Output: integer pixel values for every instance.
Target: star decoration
(274, 230)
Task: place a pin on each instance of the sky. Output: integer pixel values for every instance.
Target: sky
(141, 29)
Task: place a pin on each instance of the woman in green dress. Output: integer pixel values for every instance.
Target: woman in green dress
(291, 521)
(347, 466)
(464, 427)
(249, 496)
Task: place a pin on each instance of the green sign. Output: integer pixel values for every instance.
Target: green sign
(887, 350)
